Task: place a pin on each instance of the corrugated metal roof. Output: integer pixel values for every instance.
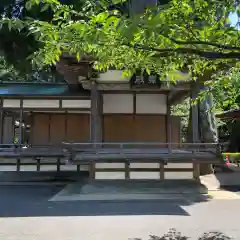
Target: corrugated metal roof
(31, 89)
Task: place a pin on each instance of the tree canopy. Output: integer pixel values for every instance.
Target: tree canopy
(193, 36)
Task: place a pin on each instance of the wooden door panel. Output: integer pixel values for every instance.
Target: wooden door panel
(175, 130)
(118, 128)
(149, 128)
(78, 128)
(57, 129)
(138, 128)
(40, 129)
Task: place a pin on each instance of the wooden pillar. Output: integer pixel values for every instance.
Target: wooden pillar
(100, 117)
(195, 117)
(95, 122)
(96, 116)
(168, 125)
(20, 123)
(1, 121)
(195, 127)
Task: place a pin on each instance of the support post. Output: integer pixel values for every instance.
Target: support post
(95, 131)
(95, 123)
(195, 117)
(195, 127)
(168, 126)
(1, 121)
(20, 142)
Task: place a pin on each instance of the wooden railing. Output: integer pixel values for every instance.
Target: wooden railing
(79, 154)
(143, 151)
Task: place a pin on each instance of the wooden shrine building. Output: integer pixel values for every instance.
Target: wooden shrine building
(114, 128)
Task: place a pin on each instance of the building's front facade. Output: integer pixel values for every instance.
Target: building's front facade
(42, 117)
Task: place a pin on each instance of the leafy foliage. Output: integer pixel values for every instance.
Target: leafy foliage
(190, 35)
(173, 234)
(8, 73)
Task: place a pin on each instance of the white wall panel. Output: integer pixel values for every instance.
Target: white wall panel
(109, 175)
(144, 165)
(11, 103)
(76, 103)
(109, 165)
(151, 104)
(117, 103)
(144, 175)
(41, 103)
(179, 165)
(178, 175)
(48, 168)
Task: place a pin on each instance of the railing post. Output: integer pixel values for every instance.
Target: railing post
(162, 172)
(196, 170)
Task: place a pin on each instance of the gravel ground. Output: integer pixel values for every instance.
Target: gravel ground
(27, 214)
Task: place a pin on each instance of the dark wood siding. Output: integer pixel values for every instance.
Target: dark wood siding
(139, 128)
(55, 128)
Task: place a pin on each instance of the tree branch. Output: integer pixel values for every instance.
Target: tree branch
(165, 52)
(227, 47)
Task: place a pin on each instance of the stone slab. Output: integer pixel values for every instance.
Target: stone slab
(129, 190)
(218, 180)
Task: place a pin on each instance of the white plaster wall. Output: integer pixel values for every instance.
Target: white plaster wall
(178, 175)
(11, 103)
(53, 103)
(109, 165)
(151, 104)
(76, 103)
(144, 165)
(179, 165)
(144, 175)
(109, 175)
(117, 103)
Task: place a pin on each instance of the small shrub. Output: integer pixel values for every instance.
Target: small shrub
(173, 234)
(233, 157)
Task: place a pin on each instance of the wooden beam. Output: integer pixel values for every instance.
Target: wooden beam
(126, 86)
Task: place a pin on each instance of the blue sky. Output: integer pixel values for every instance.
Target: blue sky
(233, 18)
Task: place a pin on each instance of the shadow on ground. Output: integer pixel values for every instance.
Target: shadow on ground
(33, 201)
(28, 201)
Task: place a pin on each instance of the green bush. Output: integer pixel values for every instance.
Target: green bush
(233, 157)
